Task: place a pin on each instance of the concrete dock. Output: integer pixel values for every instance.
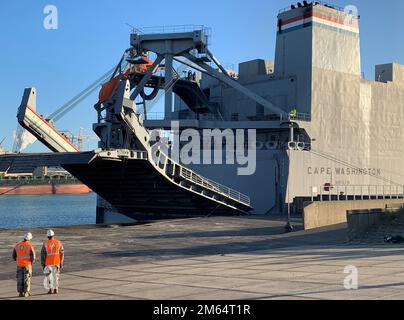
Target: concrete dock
(211, 258)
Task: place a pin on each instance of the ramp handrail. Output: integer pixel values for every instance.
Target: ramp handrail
(217, 187)
(160, 160)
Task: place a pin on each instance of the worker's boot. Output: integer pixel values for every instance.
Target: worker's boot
(50, 291)
(26, 294)
(56, 291)
(20, 294)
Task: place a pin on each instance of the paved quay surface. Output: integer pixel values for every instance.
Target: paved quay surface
(210, 258)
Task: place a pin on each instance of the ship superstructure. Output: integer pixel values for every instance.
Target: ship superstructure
(320, 129)
(343, 139)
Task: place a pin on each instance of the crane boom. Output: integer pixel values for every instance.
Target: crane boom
(68, 106)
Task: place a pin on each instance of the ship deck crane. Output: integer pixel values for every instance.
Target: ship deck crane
(44, 129)
(163, 177)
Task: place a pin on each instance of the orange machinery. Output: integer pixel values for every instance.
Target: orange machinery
(109, 87)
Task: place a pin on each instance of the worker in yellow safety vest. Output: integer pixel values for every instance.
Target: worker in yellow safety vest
(52, 257)
(293, 113)
(24, 255)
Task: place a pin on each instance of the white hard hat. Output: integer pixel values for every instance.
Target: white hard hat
(28, 236)
(50, 233)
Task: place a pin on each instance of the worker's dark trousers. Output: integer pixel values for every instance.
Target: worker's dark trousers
(24, 275)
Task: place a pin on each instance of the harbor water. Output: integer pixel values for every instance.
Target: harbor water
(47, 210)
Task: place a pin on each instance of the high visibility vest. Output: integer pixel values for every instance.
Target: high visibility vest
(23, 250)
(52, 247)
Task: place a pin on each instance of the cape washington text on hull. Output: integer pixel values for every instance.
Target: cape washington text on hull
(344, 171)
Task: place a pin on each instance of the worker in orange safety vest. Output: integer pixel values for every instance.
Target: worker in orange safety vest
(24, 255)
(52, 257)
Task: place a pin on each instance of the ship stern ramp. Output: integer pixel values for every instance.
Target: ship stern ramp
(132, 184)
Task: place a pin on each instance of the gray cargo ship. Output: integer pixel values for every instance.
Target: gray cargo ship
(321, 129)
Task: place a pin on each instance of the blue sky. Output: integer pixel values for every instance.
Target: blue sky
(93, 34)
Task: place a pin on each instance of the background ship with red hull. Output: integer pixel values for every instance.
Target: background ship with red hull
(26, 185)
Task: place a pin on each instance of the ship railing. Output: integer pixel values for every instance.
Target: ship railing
(326, 4)
(301, 117)
(356, 192)
(283, 117)
(297, 117)
(214, 186)
(32, 180)
(137, 154)
(124, 153)
(173, 29)
(210, 117)
(181, 116)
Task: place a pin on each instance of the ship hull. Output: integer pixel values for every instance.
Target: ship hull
(45, 185)
(46, 189)
(135, 189)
